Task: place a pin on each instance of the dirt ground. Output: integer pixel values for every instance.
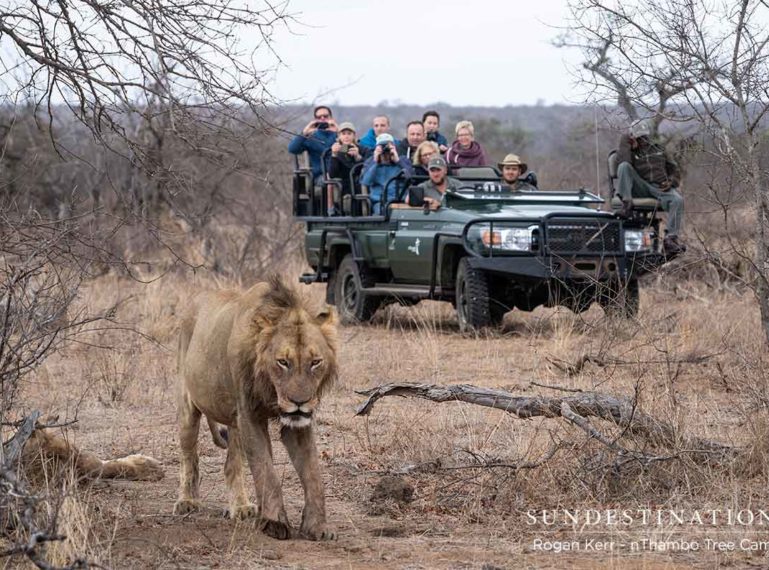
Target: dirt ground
(443, 514)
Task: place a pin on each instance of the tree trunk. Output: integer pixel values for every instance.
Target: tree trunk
(761, 194)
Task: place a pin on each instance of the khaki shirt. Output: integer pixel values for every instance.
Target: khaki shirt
(431, 191)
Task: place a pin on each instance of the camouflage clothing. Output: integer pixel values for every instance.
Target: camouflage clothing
(649, 160)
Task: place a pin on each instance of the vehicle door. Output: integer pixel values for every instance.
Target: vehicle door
(410, 243)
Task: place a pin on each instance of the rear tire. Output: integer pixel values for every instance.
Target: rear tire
(472, 298)
(353, 305)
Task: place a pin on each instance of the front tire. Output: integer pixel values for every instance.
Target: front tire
(353, 305)
(472, 298)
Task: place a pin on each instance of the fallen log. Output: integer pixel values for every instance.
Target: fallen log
(574, 408)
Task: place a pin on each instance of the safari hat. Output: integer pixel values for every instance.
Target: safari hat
(346, 126)
(513, 160)
(437, 162)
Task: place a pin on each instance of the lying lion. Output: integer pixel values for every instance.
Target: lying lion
(246, 358)
(46, 445)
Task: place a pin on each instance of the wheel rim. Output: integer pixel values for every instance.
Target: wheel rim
(349, 294)
(462, 304)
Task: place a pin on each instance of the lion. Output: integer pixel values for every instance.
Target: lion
(246, 358)
(45, 445)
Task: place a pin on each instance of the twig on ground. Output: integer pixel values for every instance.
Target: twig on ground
(618, 411)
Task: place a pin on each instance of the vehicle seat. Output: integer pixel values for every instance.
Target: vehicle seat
(476, 172)
(650, 205)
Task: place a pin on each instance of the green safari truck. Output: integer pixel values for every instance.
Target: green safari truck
(486, 250)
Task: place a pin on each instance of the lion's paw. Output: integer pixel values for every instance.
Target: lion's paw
(186, 506)
(318, 532)
(277, 529)
(242, 512)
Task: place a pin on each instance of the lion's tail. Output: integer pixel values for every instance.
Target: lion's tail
(219, 433)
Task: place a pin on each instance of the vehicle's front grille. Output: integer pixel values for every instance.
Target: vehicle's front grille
(580, 236)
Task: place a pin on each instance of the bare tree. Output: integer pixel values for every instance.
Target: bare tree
(691, 60)
(117, 64)
(42, 265)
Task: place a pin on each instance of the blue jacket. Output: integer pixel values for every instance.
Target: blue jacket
(376, 176)
(369, 139)
(315, 145)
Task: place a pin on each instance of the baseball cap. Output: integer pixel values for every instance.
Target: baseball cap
(346, 126)
(436, 162)
(385, 138)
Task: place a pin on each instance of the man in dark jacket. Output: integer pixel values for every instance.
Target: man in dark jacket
(432, 122)
(646, 171)
(415, 135)
(316, 137)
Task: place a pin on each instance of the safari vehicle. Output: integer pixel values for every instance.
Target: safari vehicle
(486, 250)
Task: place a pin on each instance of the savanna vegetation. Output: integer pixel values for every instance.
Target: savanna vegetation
(109, 223)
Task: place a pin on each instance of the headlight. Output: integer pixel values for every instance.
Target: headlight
(638, 240)
(486, 238)
(513, 239)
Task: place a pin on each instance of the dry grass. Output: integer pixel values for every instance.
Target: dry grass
(695, 359)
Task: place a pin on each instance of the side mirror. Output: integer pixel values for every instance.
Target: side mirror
(416, 196)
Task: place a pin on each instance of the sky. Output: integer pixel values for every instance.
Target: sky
(461, 52)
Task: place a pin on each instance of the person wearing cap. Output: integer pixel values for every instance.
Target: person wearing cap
(345, 154)
(435, 189)
(381, 167)
(513, 169)
(316, 137)
(646, 171)
(415, 135)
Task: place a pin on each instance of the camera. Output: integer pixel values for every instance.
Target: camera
(385, 150)
(432, 137)
(344, 148)
(322, 125)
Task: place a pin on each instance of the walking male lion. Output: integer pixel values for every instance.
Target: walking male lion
(245, 358)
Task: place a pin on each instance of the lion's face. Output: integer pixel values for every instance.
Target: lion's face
(300, 360)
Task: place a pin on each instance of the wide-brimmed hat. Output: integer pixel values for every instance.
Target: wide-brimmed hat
(513, 160)
(346, 126)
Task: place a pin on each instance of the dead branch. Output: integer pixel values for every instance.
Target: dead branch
(574, 369)
(10, 451)
(618, 411)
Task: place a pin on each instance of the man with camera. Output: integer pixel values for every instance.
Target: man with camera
(345, 154)
(382, 167)
(316, 137)
(415, 135)
(432, 122)
(646, 171)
